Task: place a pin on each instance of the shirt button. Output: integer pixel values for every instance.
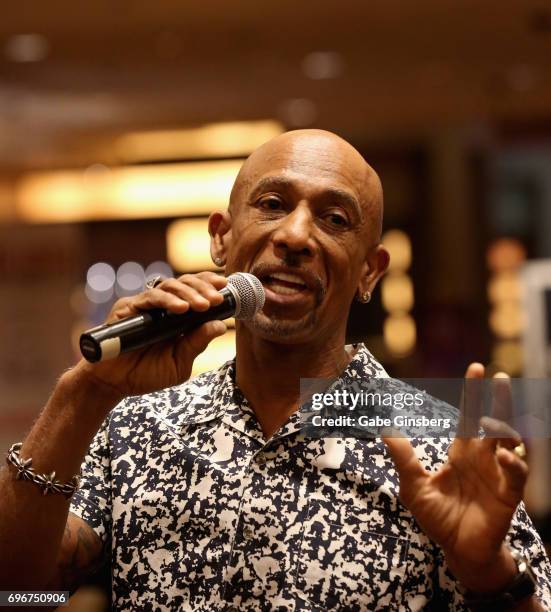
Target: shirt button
(248, 533)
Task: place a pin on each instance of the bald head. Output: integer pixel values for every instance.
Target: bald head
(324, 153)
(304, 206)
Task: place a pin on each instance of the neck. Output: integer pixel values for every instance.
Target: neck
(269, 373)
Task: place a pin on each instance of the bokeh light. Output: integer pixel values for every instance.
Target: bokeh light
(130, 279)
(158, 268)
(322, 65)
(400, 334)
(504, 286)
(397, 293)
(25, 48)
(100, 281)
(505, 254)
(219, 351)
(398, 245)
(506, 320)
(507, 355)
(188, 245)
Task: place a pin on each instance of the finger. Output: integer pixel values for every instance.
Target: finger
(189, 346)
(498, 433)
(202, 287)
(410, 471)
(471, 402)
(515, 472)
(216, 280)
(121, 308)
(502, 403)
(158, 298)
(153, 298)
(186, 294)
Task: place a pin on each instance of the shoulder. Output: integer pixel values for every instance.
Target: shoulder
(199, 399)
(362, 363)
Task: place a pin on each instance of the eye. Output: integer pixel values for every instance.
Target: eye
(337, 219)
(271, 203)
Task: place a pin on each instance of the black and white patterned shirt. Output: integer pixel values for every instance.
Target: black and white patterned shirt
(200, 512)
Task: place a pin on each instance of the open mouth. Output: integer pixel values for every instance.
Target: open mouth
(284, 283)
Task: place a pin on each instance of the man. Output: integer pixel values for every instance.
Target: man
(207, 496)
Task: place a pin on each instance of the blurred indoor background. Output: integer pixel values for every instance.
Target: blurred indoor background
(122, 125)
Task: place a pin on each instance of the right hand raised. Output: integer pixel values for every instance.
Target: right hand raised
(167, 363)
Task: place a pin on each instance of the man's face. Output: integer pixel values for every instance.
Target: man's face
(302, 222)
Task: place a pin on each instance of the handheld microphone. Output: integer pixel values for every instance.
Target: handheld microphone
(243, 298)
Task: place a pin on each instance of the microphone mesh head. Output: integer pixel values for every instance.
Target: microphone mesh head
(251, 294)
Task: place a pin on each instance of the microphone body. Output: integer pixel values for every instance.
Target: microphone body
(243, 298)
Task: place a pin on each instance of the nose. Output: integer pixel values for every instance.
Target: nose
(294, 233)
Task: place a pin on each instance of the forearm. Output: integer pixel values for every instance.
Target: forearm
(31, 524)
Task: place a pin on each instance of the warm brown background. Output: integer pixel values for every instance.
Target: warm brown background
(450, 101)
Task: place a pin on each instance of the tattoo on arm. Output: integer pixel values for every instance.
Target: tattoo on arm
(81, 555)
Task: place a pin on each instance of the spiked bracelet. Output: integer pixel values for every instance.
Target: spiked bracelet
(47, 482)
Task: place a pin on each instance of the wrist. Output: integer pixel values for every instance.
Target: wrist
(83, 387)
(489, 577)
(519, 594)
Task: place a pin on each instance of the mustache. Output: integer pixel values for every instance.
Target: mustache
(314, 280)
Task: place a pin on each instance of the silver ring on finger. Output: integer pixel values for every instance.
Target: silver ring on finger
(153, 282)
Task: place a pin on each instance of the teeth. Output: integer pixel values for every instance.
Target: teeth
(284, 290)
(290, 278)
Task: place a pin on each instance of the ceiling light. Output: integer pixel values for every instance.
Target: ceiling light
(298, 112)
(322, 65)
(168, 190)
(216, 140)
(26, 48)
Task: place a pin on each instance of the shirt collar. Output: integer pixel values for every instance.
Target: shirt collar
(210, 395)
(215, 395)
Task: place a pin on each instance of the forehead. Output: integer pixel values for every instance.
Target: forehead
(310, 162)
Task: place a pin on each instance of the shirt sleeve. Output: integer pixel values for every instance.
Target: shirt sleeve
(93, 501)
(522, 536)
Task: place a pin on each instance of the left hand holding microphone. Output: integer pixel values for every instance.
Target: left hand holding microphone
(169, 362)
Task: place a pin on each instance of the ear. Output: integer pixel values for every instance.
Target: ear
(220, 235)
(375, 265)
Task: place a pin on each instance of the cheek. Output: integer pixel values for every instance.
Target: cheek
(344, 269)
(342, 260)
(247, 238)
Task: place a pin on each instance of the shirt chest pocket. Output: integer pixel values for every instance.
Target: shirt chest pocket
(351, 558)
